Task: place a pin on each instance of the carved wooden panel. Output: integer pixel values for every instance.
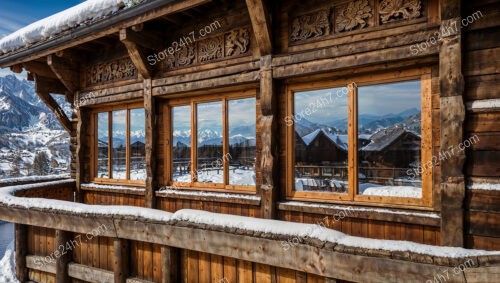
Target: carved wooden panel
(353, 15)
(393, 10)
(348, 16)
(233, 43)
(310, 25)
(112, 71)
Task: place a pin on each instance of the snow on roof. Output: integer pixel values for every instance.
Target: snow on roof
(339, 140)
(384, 137)
(88, 11)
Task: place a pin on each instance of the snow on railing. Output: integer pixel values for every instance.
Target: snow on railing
(211, 220)
(32, 179)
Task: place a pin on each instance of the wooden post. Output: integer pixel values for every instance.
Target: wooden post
(170, 265)
(21, 238)
(452, 119)
(63, 238)
(268, 125)
(83, 119)
(121, 260)
(150, 110)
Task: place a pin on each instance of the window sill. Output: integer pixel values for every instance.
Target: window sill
(140, 191)
(227, 197)
(364, 212)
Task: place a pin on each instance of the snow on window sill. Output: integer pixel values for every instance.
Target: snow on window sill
(238, 198)
(114, 188)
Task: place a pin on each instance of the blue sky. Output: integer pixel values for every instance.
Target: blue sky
(15, 14)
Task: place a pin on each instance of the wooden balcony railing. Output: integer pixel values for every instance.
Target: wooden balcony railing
(176, 234)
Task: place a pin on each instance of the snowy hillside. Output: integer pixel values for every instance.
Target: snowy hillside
(28, 127)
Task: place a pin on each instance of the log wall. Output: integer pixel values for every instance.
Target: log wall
(482, 81)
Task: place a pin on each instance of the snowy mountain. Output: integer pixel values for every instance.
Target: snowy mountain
(28, 127)
(241, 136)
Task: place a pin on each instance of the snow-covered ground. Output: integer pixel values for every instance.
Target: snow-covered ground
(7, 269)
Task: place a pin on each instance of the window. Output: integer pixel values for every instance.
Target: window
(361, 140)
(213, 142)
(121, 145)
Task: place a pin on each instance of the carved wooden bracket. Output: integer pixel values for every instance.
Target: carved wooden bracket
(65, 72)
(42, 89)
(261, 24)
(136, 44)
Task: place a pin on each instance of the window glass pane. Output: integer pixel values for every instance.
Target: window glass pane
(389, 128)
(119, 138)
(137, 144)
(181, 144)
(102, 145)
(209, 142)
(241, 123)
(320, 123)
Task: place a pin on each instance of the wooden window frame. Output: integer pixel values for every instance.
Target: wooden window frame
(424, 75)
(94, 145)
(192, 101)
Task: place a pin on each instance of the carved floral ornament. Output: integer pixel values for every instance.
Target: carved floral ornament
(355, 15)
(392, 10)
(350, 16)
(230, 44)
(115, 70)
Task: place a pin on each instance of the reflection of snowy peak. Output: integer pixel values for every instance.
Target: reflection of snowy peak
(210, 137)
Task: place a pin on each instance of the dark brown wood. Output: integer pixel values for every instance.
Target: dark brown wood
(170, 265)
(151, 136)
(268, 127)
(261, 24)
(136, 52)
(452, 119)
(63, 238)
(121, 260)
(41, 69)
(56, 109)
(65, 72)
(21, 238)
(81, 137)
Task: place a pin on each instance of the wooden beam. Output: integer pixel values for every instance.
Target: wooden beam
(121, 260)
(127, 18)
(63, 238)
(17, 68)
(137, 54)
(143, 39)
(83, 121)
(54, 106)
(90, 274)
(268, 126)
(49, 85)
(452, 116)
(261, 24)
(67, 74)
(170, 259)
(151, 138)
(41, 69)
(21, 238)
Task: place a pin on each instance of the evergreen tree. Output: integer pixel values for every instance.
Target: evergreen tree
(16, 165)
(41, 164)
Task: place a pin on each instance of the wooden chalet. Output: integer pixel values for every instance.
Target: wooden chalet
(212, 84)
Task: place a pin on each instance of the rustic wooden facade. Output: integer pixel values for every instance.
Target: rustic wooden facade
(267, 50)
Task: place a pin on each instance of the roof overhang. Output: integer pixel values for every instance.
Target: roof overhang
(123, 19)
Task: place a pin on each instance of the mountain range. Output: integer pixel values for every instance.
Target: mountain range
(28, 127)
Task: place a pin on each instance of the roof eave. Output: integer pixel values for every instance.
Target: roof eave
(123, 19)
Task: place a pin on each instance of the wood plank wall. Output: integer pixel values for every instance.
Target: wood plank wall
(111, 198)
(482, 81)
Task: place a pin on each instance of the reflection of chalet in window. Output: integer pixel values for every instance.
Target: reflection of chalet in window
(393, 147)
(325, 148)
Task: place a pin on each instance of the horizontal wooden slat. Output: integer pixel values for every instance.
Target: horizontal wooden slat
(483, 223)
(90, 274)
(483, 163)
(386, 214)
